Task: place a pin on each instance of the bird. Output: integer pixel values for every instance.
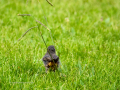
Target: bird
(50, 59)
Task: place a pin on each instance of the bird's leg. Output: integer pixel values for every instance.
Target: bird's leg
(47, 69)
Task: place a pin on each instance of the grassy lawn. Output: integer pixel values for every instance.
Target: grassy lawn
(86, 33)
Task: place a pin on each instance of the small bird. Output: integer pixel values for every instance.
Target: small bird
(50, 59)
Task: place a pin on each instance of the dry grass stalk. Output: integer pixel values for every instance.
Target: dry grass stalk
(49, 2)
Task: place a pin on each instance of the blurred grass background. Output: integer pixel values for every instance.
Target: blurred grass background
(85, 32)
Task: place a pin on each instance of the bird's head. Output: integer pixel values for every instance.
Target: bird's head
(51, 49)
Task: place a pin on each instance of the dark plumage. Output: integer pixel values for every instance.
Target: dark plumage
(50, 59)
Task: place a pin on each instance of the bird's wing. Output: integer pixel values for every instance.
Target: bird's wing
(55, 57)
(46, 58)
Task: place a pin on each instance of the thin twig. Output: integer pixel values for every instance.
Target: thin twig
(42, 37)
(49, 2)
(24, 15)
(26, 32)
(39, 30)
(44, 40)
(43, 25)
(46, 28)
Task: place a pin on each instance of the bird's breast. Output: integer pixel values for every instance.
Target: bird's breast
(50, 64)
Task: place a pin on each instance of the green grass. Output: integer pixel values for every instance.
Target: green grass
(85, 32)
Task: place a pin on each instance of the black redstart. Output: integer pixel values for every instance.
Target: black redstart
(50, 59)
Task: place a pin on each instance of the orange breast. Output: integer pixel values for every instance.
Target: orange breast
(52, 64)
